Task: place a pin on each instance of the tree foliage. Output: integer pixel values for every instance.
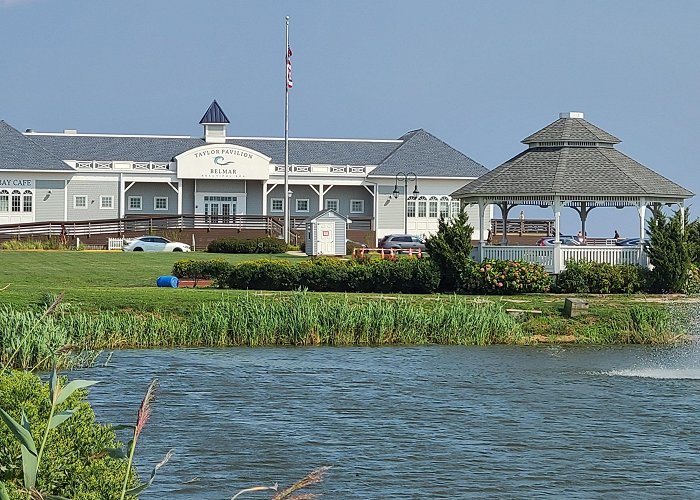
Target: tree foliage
(451, 248)
(667, 249)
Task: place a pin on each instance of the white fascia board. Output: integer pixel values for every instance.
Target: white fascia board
(145, 136)
(442, 178)
(34, 171)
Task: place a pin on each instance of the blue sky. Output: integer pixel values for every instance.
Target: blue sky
(479, 75)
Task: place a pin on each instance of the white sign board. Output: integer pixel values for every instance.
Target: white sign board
(221, 161)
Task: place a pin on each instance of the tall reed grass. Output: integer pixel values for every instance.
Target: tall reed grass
(255, 320)
(301, 319)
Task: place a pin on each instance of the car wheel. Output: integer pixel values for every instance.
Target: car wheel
(177, 249)
(138, 249)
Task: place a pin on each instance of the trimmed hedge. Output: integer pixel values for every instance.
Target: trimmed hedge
(200, 269)
(600, 277)
(257, 245)
(322, 274)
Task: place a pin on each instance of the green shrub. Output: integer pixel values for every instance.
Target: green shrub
(668, 253)
(329, 274)
(74, 465)
(200, 269)
(450, 248)
(507, 277)
(257, 245)
(600, 277)
(48, 244)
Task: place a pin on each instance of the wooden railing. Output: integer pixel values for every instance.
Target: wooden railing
(544, 227)
(142, 225)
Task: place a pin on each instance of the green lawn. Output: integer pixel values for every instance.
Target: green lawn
(95, 281)
(103, 280)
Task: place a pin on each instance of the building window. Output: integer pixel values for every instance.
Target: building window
(454, 204)
(16, 201)
(106, 201)
(433, 207)
(277, 205)
(411, 207)
(357, 206)
(422, 206)
(80, 201)
(444, 207)
(160, 203)
(332, 204)
(4, 200)
(302, 205)
(27, 199)
(135, 203)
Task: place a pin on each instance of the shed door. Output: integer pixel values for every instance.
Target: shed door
(325, 238)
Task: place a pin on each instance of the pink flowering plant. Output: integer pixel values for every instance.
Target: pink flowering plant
(508, 277)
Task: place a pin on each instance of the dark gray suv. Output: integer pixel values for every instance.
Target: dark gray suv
(402, 241)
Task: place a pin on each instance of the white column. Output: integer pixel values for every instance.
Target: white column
(681, 207)
(179, 197)
(65, 199)
(264, 198)
(642, 210)
(557, 257)
(482, 209)
(556, 207)
(122, 196)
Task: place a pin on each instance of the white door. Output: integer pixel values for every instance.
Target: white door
(325, 238)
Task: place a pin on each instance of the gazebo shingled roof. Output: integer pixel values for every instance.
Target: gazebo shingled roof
(572, 158)
(572, 163)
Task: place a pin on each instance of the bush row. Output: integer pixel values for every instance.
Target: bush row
(322, 274)
(256, 245)
(402, 275)
(600, 277)
(505, 277)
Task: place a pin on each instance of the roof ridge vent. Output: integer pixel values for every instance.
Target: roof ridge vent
(571, 114)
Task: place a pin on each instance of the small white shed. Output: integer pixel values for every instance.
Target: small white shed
(326, 233)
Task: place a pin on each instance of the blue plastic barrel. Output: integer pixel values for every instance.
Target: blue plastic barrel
(167, 281)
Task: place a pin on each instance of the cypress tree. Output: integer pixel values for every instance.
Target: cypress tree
(450, 248)
(668, 252)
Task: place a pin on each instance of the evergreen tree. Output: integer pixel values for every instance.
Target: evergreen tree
(450, 248)
(668, 252)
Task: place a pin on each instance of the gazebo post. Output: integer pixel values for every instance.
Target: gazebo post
(556, 261)
(681, 207)
(642, 210)
(482, 208)
(505, 208)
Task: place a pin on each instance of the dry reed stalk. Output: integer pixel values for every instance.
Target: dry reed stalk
(314, 477)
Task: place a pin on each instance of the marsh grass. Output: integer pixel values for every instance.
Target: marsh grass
(260, 320)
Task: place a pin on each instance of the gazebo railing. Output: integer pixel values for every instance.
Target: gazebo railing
(547, 258)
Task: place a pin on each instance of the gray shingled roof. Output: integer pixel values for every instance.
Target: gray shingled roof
(89, 148)
(427, 156)
(571, 129)
(306, 152)
(20, 152)
(417, 151)
(572, 171)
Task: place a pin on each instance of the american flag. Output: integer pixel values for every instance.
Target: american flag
(290, 83)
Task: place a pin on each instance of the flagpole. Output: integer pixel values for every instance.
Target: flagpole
(286, 134)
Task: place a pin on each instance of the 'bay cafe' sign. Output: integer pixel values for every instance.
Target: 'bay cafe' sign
(16, 183)
(223, 162)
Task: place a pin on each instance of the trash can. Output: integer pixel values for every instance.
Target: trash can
(167, 281)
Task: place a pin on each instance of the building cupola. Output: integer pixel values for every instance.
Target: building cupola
(214, 121)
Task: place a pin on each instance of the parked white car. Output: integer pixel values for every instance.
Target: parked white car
(154, 244)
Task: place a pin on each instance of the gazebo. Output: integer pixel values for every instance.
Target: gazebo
(570, 163)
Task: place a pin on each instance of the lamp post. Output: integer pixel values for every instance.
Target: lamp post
(405, 177)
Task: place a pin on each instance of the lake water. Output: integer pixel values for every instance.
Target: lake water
(415, 422)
